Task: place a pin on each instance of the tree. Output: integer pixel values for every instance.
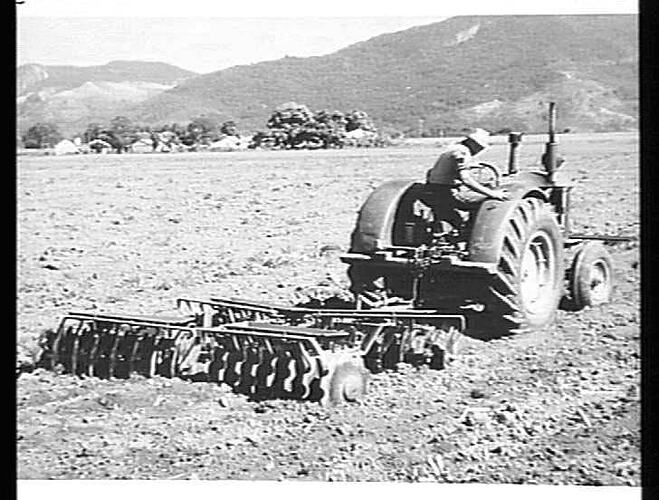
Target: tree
(114, 141)
(330, 128)
(359, 120)
(178, 129)
(202, 129)
(41, 135)
(290, 115)
(293, 125)
(121, 125)
(123, 130)
(91, 132)
(229, 128)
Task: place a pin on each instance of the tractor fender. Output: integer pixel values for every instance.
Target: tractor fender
(374, 228)
(486, 238)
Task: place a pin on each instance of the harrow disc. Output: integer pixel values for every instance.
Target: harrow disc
(347, 381)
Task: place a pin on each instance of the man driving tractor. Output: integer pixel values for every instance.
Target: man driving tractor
(451, 185)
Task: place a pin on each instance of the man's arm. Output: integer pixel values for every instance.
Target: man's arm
(465, 176)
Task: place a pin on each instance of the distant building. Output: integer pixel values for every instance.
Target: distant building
(142, 146)
(164, 147)
(99, 146)
(166, 137)
(228, 143)
(66, 147)
(360, 134)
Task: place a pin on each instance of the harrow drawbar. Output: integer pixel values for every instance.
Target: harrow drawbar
(262, 350)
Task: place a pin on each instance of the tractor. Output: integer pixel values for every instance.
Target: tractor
(507, 268)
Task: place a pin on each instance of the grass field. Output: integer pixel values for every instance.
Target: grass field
(133, 232)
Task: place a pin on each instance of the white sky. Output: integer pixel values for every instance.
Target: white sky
(206, 36)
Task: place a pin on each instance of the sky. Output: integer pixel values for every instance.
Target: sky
(197, 44)
(206, 36)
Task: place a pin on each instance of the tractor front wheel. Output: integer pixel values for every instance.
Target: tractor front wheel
(590, 276)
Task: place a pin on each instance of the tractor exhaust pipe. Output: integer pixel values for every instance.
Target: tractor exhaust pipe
(549, 158)
(514, 138)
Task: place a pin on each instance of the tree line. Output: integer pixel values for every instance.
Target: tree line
(290, 126)
(121, 132)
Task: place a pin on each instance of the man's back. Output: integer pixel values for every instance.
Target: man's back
(445, 170)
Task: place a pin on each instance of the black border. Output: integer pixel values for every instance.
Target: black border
(649, 100)
(11, 232)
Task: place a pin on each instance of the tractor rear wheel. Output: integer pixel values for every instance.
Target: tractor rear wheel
(529, 283)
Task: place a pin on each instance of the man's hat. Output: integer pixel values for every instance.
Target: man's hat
(477, 140)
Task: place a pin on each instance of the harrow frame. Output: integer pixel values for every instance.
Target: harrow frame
(259, 349)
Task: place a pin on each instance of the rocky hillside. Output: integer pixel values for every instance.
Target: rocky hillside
(72, 96)
(490, 71)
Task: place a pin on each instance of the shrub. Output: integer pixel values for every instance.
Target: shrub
(41, 135)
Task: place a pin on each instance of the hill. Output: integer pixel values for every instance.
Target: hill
(490, 71)
(72, 96)
(35, 77)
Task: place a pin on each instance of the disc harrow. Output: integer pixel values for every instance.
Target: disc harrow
(261, 350)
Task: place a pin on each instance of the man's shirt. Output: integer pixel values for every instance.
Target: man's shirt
(446, 169)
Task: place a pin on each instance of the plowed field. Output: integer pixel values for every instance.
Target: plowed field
(131, 233)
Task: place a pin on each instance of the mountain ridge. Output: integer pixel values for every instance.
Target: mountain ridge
(465, 71)
(435, 73)
(33, 77)
(73, 96)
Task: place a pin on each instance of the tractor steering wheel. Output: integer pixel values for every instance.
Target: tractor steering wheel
(486, 174)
